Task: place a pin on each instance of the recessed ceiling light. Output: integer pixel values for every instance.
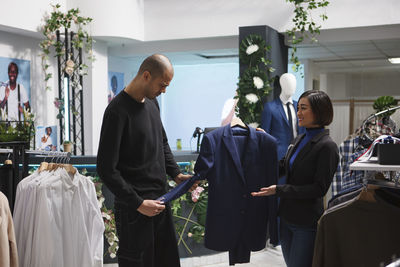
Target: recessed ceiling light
(394, 60)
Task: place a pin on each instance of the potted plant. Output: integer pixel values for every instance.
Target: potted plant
(67, 145)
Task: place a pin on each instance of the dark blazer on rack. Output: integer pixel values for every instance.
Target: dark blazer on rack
(301, 198)
(233, 215)
(275, 123)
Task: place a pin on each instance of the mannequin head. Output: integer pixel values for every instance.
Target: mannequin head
(288, 85)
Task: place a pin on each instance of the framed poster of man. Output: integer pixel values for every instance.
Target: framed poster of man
(47, 138)
(116, 84)
(15, 89)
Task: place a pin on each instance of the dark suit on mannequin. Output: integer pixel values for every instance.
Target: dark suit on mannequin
(275, 123)
(236, 221)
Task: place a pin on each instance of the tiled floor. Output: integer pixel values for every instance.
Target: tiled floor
(270, 257)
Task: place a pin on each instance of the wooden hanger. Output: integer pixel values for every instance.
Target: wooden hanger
(43, 166)
(69, 168)
(368, 194)
(238, 122)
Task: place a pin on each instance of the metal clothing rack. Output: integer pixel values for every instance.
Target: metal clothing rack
(375, 116)
(18, 153)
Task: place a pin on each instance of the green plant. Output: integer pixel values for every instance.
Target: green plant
(304, 25)
(254, 84)
(383, 103)
(57, 21)
(110, 230)
(191, 225)
(17, 130)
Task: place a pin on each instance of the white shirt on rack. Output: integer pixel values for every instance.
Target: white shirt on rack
(59, 221)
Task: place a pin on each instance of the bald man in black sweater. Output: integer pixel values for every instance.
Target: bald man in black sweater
(133, 160)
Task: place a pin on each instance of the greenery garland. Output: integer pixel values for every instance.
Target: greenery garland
(81, 39)
(254, 84)
(191, 225)
(304, 25)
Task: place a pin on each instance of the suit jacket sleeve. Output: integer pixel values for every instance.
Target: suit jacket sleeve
(108, 157)
(326, 167)
(266, 118)
(205, 161)
(272, 200)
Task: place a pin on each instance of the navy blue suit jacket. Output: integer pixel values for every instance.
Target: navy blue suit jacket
(233, 215)
(275, 123)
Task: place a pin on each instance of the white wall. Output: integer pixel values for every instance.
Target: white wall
(179, 19)
(117, 18)
(22, 47)
(25, 15)
(195, 98)
(95, 97)
(366, 84)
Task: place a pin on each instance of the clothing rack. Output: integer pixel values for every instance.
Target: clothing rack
(375, 116)
(19, 155)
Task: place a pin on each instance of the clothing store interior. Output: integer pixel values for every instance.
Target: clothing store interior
(200, 133)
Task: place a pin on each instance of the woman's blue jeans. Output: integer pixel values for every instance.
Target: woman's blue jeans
(297, 243)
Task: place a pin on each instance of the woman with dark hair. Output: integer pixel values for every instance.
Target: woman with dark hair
(309, 165)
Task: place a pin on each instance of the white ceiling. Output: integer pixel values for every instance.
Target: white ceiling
(338, 50)
(352, 55)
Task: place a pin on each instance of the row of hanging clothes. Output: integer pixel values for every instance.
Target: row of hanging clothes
(355, 145)
(361, 225)
(56, 218)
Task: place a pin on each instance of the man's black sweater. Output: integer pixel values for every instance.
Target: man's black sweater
(134, 155)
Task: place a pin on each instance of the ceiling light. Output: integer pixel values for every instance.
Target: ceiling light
(394, 60)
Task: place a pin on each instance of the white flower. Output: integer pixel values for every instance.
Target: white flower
(112, 255)
(190, 234)
(253, 124)
(105, 215)
(258, 82)
(252, 98)
(251, 49)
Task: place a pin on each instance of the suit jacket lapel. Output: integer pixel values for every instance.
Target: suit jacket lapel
(231, 147)
(250, 149)
(291, 150)
(281, 111)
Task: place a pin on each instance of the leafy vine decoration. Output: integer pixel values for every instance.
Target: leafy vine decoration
(255, 82)
(189, 212)
(304, 25)
(57, 21)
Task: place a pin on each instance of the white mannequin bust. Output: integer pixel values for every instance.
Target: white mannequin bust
(288, 85)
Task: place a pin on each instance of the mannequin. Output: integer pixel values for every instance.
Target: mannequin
(288, 85)
(275, 116)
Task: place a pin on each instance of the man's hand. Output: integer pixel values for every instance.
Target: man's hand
(151, 207)
(260, 130)
(182, 177)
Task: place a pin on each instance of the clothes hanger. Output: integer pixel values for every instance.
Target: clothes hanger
(8, 161)
(236, 121)
(68, 167)
(43, 165)
(368, 193)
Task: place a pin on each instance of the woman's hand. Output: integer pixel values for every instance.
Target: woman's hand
(265, 191)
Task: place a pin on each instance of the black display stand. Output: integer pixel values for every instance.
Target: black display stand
(74, 106)
(278, 53)
(18, 157)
